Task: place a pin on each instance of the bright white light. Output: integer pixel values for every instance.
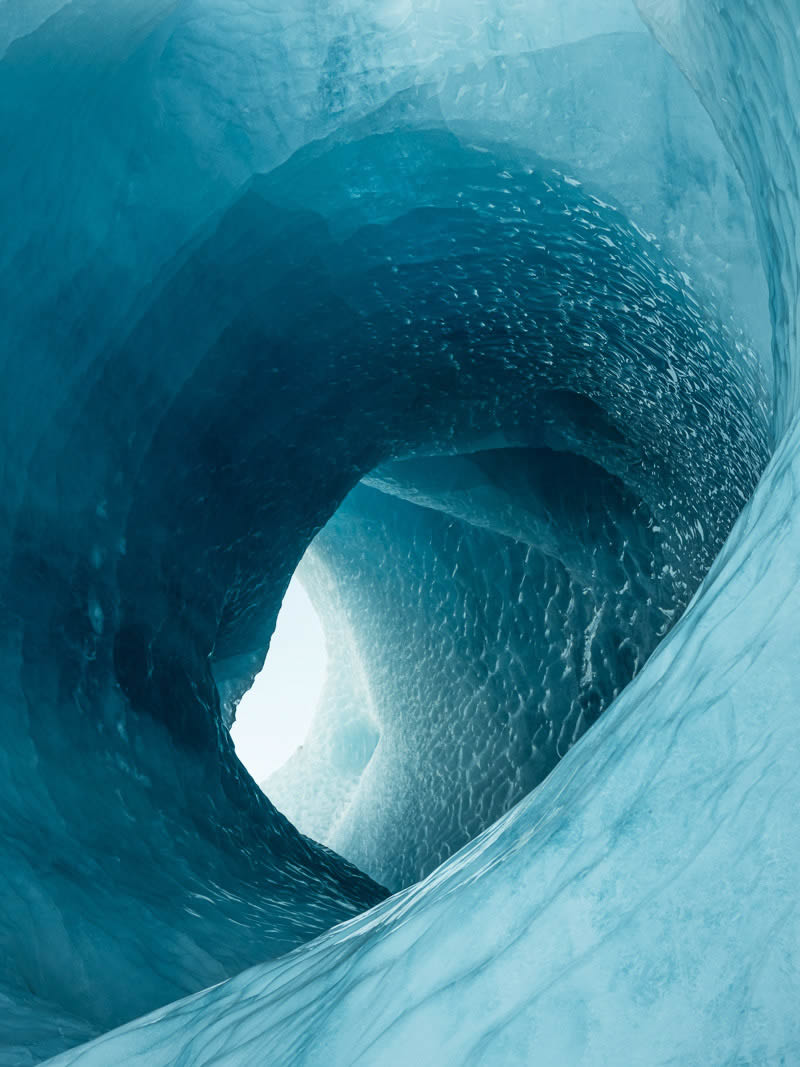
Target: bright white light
(273, 718)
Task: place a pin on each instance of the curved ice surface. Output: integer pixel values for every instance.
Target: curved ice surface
(493, 260)
(582, 437)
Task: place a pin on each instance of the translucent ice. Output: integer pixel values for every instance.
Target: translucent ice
(468, 298)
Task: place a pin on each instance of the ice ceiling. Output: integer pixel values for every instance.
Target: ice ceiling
(495, 307)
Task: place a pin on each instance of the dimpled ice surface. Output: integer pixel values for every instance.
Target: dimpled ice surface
(482, 319)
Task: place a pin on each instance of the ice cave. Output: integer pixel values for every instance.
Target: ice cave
(469, 330)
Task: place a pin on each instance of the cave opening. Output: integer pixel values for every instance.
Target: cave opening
(274, 716)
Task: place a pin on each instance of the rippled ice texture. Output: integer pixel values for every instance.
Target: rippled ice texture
(161, 312)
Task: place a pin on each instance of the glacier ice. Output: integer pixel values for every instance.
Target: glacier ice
(468, 298)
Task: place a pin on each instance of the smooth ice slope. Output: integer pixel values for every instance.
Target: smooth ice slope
(643, 898)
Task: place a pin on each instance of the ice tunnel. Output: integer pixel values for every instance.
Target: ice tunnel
(481, 321)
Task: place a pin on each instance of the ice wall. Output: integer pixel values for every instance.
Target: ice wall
(206, 351)
(642, 899)
(750, 90)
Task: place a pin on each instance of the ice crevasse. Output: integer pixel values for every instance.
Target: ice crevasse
(485, 317)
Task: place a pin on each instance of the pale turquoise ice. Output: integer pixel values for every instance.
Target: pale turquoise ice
(641, 906)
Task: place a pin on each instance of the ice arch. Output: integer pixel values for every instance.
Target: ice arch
(171, 307)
